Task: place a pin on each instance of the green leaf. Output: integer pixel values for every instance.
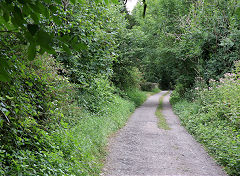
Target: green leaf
(35, 8)
(57, 20)
(26, 10)
(73, 1)
(6, 16)
(78, 45)
(41, 51)
(10, 98)
(81, 46)
(58, 1)
(106, 2)
(32, 28)
(35, 17)
(238, 11)
(53, 8)
(29, 83)
(66, 48)
(7, 113)
(115, 1)
(22, 1)
(50, 50)
(31, 51)
(43, 9)
(28, 36)
(4, 75)
(17, 19)
(1, 125)
(43, 39)
(82, 1)
(16, 110)
(47, 1)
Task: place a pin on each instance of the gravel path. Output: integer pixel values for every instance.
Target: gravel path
(142, 149)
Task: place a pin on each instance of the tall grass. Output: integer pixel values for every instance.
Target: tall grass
(136, 96)
(83, 145)
(214, 119)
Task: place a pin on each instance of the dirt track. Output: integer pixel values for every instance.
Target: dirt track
(142, 149)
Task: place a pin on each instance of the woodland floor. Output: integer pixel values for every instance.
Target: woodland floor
(142, 149)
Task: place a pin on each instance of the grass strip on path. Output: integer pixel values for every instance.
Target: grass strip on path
(162, 123)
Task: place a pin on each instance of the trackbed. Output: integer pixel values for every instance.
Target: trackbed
(142, 149)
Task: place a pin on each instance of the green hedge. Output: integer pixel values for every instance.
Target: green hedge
(213, 118)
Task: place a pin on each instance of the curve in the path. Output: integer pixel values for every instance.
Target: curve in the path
(142, 149)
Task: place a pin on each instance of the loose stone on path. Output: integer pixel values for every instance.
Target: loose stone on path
(142, 149)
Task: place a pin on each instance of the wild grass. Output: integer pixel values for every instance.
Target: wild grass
(162, 123)
(83, 145)
(213, 119)
(137, 96)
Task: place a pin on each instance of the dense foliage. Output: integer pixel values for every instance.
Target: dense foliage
(46, 25)
(71, 73)
(213, 118)
(187, 39)
(192, 47)
(60, 91)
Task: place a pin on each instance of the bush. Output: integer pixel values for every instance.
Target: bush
(137, 96)
(29, 107)
(148, 86)
(126, 77)
(175, 97)
(96, 95)
(156, 90)
(213, 118)
(177, 94)
(218, 136)
(62, 138)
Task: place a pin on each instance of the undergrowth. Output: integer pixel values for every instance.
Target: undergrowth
(213, 118)
(84, 142)
(137, 96)
(47, 129)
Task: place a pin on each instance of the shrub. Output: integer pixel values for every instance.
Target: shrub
(213, 118)
(137, 96)
(67, 139)
(126, 77)
(148, 86)
(29, 111)
(156, 90)
(175, 97)
(96, 95)
(177, 94)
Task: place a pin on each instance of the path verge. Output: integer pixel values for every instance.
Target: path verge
(141, 148)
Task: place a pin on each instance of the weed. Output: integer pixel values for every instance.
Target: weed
(162, 123)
